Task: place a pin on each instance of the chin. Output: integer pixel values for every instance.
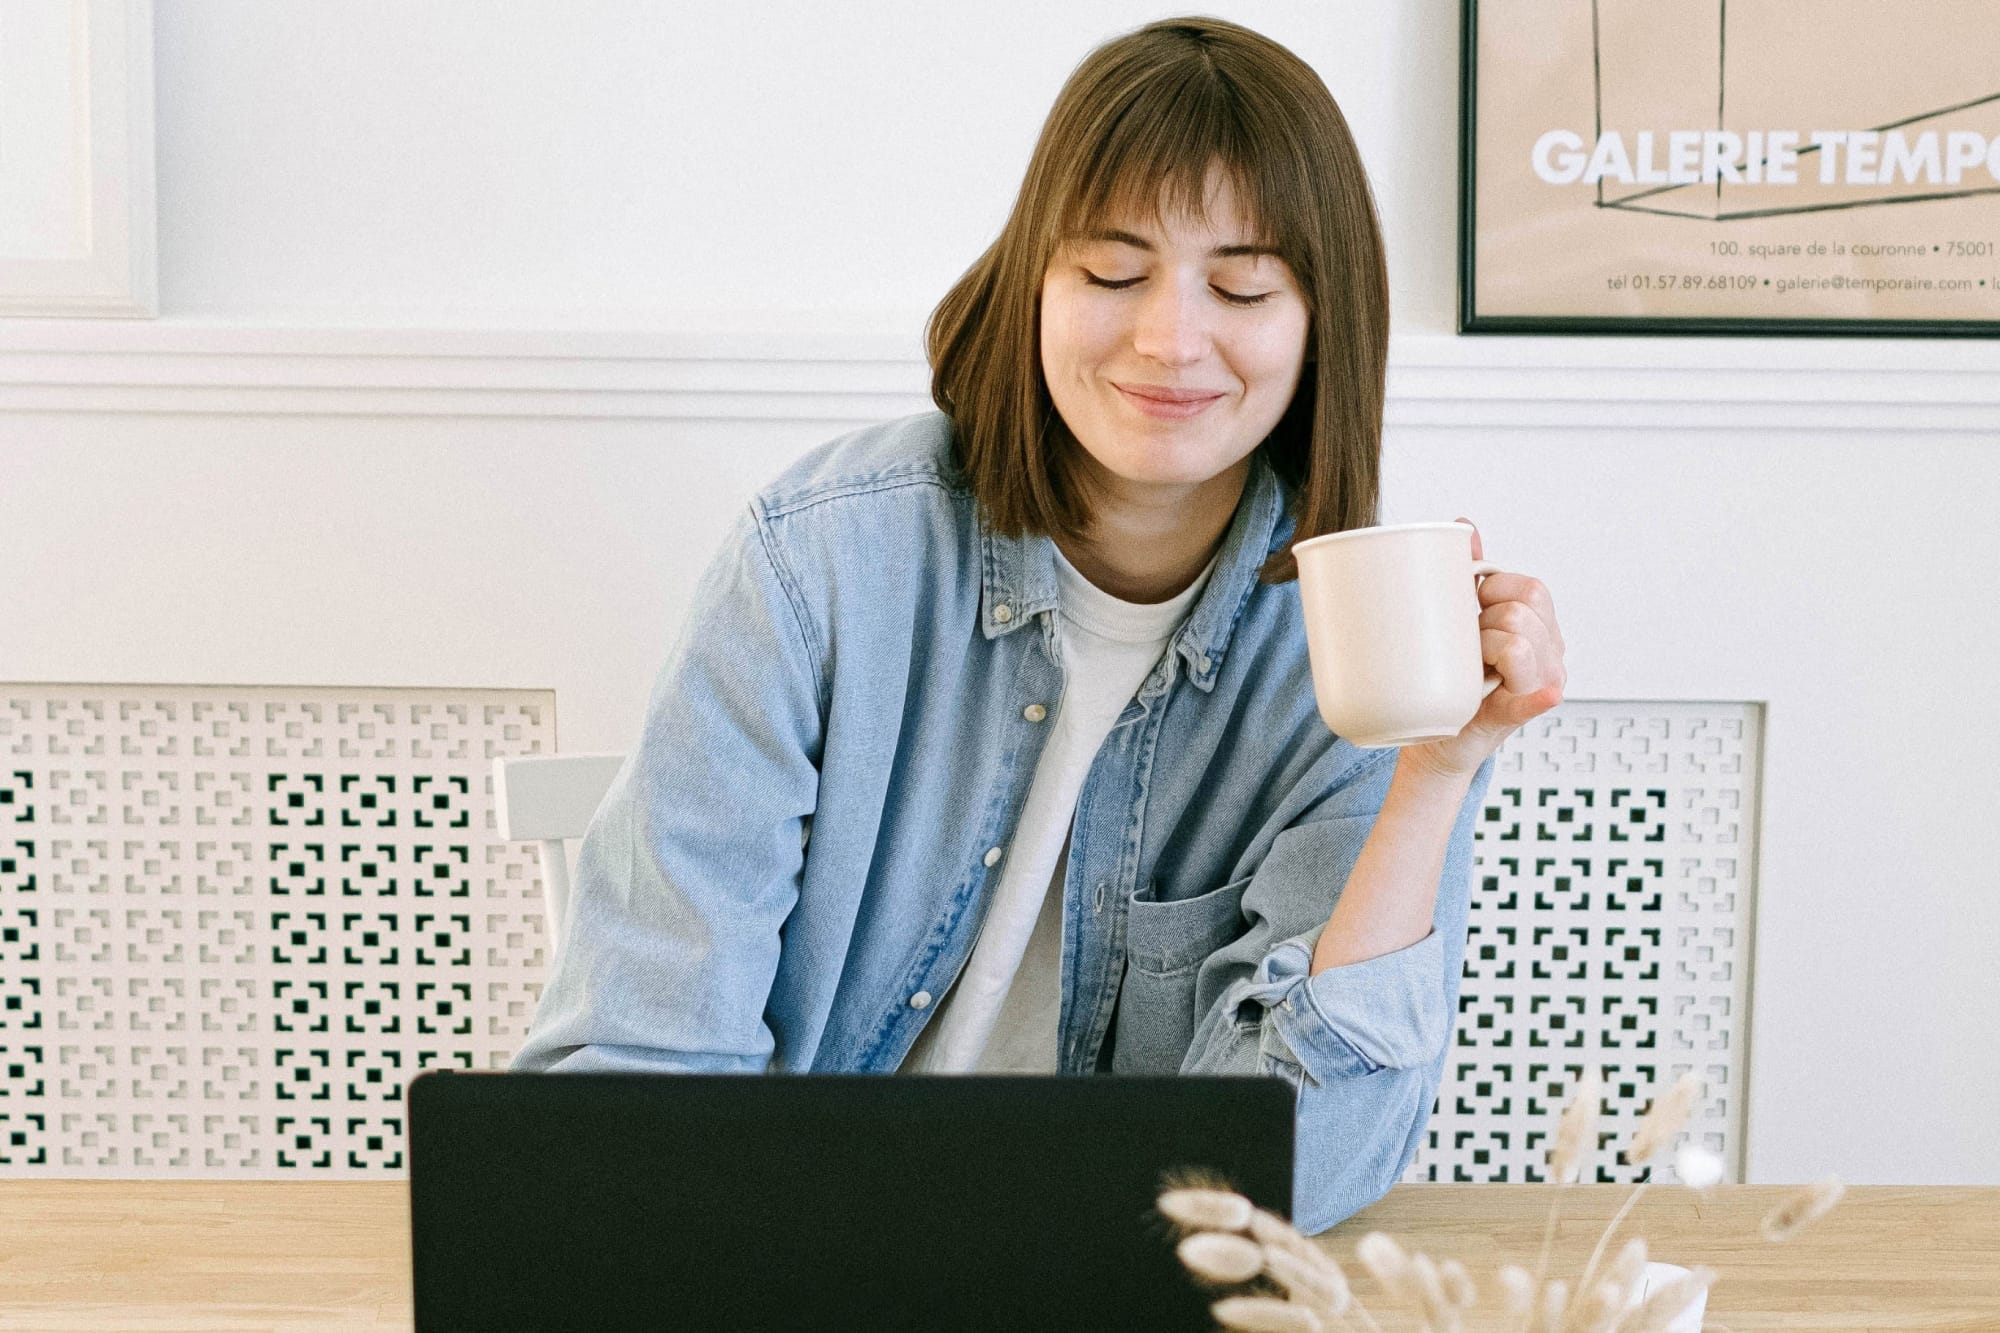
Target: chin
(1158, 471)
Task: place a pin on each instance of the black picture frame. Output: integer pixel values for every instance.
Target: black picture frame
(1471, 321)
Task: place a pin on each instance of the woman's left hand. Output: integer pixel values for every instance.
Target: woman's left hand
(1519, 637)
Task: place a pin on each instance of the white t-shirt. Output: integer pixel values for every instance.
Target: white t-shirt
(1002, 1013)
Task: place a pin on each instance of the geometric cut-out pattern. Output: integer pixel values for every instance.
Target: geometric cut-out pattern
(1612, 905)
(234, 922)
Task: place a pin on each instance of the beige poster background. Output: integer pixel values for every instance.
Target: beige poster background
(1872, 250)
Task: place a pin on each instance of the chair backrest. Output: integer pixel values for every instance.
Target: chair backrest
(546, 799)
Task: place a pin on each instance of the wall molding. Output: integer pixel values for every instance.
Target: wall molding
(230, 366)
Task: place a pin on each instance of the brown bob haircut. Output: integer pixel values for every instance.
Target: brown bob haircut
(1148, 113)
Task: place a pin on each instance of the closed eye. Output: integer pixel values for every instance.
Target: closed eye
(1120, 284)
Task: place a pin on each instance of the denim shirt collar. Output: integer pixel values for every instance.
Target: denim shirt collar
(1018, 576)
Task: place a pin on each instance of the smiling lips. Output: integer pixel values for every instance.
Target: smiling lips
(1158, 401)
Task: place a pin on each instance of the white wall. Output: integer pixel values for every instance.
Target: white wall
(476, 156)
(478, 319)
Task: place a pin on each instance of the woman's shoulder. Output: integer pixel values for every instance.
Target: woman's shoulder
(880, 514)
(886, 456)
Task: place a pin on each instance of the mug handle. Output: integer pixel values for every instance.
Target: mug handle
(1480, 569)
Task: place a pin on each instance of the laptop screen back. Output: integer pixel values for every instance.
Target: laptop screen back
(630, 1201)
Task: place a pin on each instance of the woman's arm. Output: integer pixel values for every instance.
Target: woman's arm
(1390, 898)
(693, 861)
(1364, 1042)
(1359, 1014)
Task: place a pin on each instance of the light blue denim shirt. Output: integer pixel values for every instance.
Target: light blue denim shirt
(792, 864)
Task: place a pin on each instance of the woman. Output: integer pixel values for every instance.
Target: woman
(990, 741)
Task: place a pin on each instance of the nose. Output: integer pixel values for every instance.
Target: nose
(1172, 325)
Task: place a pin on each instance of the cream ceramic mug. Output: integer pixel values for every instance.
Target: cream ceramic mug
(1392, 629)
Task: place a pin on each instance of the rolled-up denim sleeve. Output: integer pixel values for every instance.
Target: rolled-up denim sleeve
(1363, 1043)
(693, 861)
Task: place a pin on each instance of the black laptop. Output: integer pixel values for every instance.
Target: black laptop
(821, 1201)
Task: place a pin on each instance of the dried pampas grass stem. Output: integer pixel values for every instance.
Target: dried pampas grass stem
(1799, 1211)
(1630, 1265)
(1288, 1283)
(1576, 1132)
(1274, 1232)
(1221, 1257)
(1576, 1135)
(1324, 1287)
(1458, 1284)
(1597, 1308)
(1590, 1268)
(1439, 1313)
(1555, 1303)
(1665, 1119)
(1265, 1314)
(1387, 1263)
(1201, 1209)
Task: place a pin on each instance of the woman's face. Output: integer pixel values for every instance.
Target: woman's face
(1171, 354)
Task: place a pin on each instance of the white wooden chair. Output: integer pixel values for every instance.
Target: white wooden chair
(547, 799)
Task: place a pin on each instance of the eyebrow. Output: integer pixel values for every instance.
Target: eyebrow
(1219, 252)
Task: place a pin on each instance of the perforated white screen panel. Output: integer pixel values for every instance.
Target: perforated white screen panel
(1611, 910)
(235, 921)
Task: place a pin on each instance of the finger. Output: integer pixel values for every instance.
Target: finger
(1514, 617)
(1503, 587)
(1506, 587)
(1521, 668)
(1478, 547)
(1522, 619)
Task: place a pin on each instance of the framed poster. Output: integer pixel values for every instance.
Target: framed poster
(1730, 166)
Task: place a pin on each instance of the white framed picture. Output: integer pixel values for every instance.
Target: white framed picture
(77, 220)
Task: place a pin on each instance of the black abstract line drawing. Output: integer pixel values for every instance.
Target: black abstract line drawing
(1630, 202)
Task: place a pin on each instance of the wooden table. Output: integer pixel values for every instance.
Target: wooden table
(333, 1256)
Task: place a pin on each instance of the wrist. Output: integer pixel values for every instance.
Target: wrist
(1422, 766)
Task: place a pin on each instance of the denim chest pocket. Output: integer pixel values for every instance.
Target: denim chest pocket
(1169, 939)
(1165, 945)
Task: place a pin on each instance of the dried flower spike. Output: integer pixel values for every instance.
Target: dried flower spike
(1274, 1232)
(1458, 1285)
(1696, 1166)
(1387, 1264)
(1576, 1132)
(1628, 1267)
(1801, 1210)
(1264, 1314)
(1322, 1286)
(1669, 1303)
(1206, 1209)
(1598, 1308)
(1665, 1119)
(1517, 1289)
(1221, 1257)
(1555, 1300)
(1431, 1300)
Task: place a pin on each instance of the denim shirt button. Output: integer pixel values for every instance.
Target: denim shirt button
(920, 1000)
(992, 857)
(1003, 613)
(1034, 712)
(1203, 664)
